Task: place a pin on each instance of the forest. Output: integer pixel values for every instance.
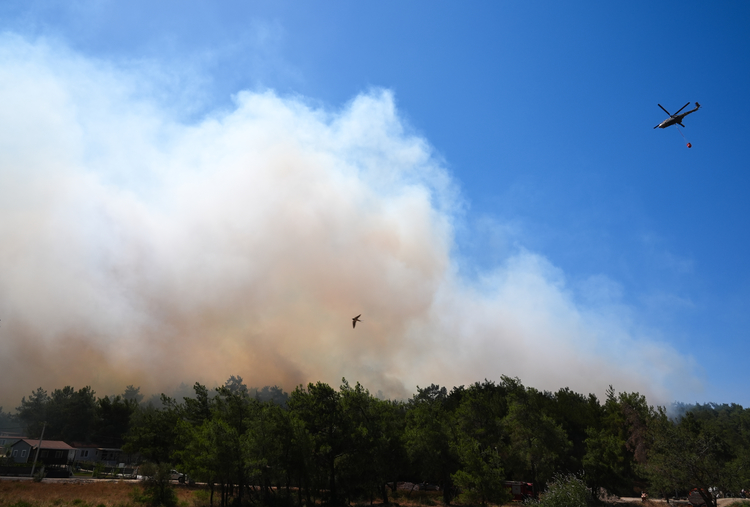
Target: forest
(319, 444)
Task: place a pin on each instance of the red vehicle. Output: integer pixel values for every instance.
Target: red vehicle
(696, 499)
(520, 490)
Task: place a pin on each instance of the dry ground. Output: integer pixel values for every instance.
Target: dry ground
(723, 502)
(120, 494)
(66, 494)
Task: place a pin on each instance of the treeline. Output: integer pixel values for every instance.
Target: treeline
(319, 443)
(76, 416)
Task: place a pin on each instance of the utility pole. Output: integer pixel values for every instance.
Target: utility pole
(37, 449)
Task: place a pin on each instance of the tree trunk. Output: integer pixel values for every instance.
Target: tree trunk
(332, 483)
(299, 491)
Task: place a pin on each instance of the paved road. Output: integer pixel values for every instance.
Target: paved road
(74, 480)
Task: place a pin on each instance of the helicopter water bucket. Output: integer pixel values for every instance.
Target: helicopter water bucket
(689, 145)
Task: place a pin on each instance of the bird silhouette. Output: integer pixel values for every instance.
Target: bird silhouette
(355, 320)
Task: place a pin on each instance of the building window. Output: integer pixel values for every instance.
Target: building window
(15, 452)
(44, 454)
(58, 454)
(23, 453)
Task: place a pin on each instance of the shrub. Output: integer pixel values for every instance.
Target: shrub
(39, 475)
(157, 489)
(98, 471)
(201, 497)
(564, 491)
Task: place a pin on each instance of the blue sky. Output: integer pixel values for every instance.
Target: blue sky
(540, 113)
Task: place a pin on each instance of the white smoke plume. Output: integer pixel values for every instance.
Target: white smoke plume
(137, 248)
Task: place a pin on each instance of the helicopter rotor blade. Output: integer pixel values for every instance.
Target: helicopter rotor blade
(683, 107)
(670, 114)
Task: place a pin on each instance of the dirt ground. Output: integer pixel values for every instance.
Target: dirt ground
(72, 494)
(723, 502)
(69, 493)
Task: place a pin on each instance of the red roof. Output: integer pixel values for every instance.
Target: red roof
(80, 445)
(47, 444)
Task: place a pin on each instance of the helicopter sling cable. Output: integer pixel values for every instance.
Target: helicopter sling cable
(689, 145)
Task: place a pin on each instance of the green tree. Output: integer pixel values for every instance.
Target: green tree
(33, 412)
(617, 446)
(133, 394)
(320, 412)
(71, 414)
(604, 463)
(273, 394)
(481, 476)
(112, 420)
(576, 414)
(537, 444)
(153, 431)
(234, 407)
(8, 422)
(430, 436)
(375, 451)
(479, 437)
(263, 449)
(197, 410)
(691, 454)
(390, 459)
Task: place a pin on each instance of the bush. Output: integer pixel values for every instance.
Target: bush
(201, 498)
(98, 471)
(157, 489)
(39, 475)
(564, 491)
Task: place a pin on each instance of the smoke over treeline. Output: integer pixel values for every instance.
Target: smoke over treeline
(137, 248)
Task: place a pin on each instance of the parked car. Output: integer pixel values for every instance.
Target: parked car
(178, 476)
(181, 478)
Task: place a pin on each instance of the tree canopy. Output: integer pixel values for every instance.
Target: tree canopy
(320, 443)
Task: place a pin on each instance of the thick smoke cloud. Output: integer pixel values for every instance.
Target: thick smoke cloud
(140, 249)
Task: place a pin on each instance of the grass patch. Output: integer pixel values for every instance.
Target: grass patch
(61, 494)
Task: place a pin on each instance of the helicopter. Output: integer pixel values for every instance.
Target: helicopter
(677, 117)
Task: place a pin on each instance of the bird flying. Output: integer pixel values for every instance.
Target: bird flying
(355, 320)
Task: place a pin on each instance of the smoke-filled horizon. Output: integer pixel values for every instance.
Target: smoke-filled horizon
(141, 249)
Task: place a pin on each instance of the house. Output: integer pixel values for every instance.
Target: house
(51, 452)
(94, 453)
(6, 441)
